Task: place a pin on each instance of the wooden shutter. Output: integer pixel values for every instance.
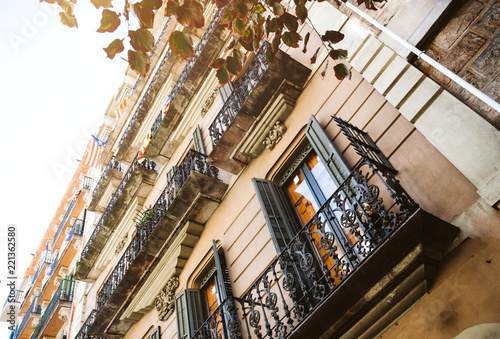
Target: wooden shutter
(199, 146)
(189, 312)
(222, 275)
(226, 90)
(326, 151)
(277, 212)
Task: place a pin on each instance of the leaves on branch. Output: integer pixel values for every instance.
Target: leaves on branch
(275, 25)
(145, 15)
(153, 4)
(239, 55)
(239, 27)
(341, 72)
(181, 44)
(227, 16)
(114, 48)
(233, 65)
(223, 76)
(231, 45)
(290, 22)
(301, 12)
(109, 22)
(291, 39)
(241, 10)
(68, 19)
(306, 40)
(247, 46)
(142, 40)
(258, 8)
(139, 62)
(190, 14)
(171, 7)
(218, 63)
(332, 37)
(278, 9)
(338, 54)
(101, 3)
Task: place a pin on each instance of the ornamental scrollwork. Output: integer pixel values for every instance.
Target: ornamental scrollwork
(165, 300)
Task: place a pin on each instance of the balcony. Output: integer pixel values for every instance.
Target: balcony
(188, 84)
(136, 182)
(86, 183)
(57, 312)
(320, 286)
(264, 95)
(22, 331)
(82, 333)
(112, 174)
(73, 211)
(68, 251)
(191, 194)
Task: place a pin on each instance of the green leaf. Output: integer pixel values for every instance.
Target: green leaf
(101, 3)
(341, 72)
(233, 65)
(190, 14)
(270, 56)
(153, 4)
(306, 40)
(145, 15)
(181, 44)
(223, 76)
(301, 12)
(239, 55)
(258, 8)
(290, 22)
(109, 22)
(68, 19)
(248, 35)
(141, 40)
(291, 39)
(231, 44)
(115, 47)
(275, 25)
(139, 62)
(239, 27)
(171, 7)
(247, 46)
(276, 42)
(332, 36)
(227, 16)
(338, 54)
(241, 10)
(278, 9)
(218, 63)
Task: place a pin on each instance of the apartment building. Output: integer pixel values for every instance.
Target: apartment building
(289, 203)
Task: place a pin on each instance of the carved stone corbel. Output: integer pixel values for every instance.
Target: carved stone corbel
(121, 244)
(274, 135)
(165, 300)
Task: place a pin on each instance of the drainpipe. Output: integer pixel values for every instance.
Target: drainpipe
(421, 55)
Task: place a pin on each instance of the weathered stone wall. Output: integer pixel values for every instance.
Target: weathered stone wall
(469, 45)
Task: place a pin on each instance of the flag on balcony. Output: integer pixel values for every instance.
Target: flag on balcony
(140, 157)
(119, 111)
(94, 152)
(165, 107)
(75, 195)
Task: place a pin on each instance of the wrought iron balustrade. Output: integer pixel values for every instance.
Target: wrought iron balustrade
(356, 220)
(115, 196)
(82, 333)
(222, 323)
(243, 89)
(185, 72)
(65, 218)
(192, 162)
(26, 318)
(63, 293)
(106, 169)
(87, 182)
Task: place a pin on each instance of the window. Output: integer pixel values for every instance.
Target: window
(155, 334)
(193, 306)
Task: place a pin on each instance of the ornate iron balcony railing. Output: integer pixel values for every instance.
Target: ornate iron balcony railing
(193, 162)
(356, 220)
(82, 333)
(63, 293)
(185, 72)
(242, 91)
(26, 318)
(65, 218)
(106, 169)
(148, 165)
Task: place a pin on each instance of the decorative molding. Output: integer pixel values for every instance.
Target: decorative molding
(209, 101)
(295, 164)
(165, 300)
(207, 276)
(64, 313)
(121, 244)
(274, 135)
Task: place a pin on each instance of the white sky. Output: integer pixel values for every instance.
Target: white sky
(55, 85)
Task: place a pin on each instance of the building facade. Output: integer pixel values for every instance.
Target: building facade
(288, 203)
